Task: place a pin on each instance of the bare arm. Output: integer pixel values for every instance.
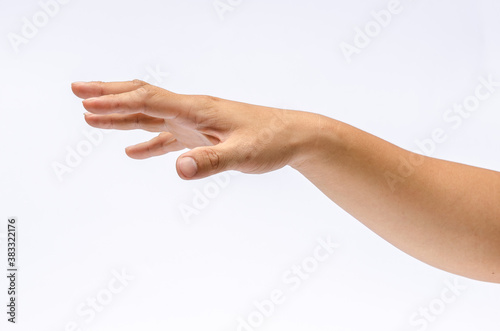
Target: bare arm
(445, 214)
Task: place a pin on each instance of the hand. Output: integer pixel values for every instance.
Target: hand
(222, 134)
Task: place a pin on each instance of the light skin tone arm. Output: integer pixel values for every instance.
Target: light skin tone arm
(443, 213)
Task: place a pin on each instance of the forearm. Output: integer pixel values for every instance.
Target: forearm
(443, 213)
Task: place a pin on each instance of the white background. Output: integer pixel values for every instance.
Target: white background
(115, 213)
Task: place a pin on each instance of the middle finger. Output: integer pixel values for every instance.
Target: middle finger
(126, 122)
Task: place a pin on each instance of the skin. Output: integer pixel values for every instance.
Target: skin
(443, 213)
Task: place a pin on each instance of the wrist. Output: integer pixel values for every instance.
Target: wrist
(316, 138)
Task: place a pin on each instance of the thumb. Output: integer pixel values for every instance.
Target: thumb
(201, 162)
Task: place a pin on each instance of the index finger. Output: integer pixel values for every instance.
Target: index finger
(93, 89)
(147, 99)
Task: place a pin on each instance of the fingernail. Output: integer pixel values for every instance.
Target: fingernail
(87, 114)
(188, 166)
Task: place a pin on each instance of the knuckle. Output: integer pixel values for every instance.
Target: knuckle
(249, 153)
(207, 101)
(111, 124)
(139, 82)
(100, 87)
(214, 158)
(168, 141)
(136, 122)
(148, 96)
(148, 91)
(116, 103)
(143, 91)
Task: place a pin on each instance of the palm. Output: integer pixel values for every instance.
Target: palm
(186, 135)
